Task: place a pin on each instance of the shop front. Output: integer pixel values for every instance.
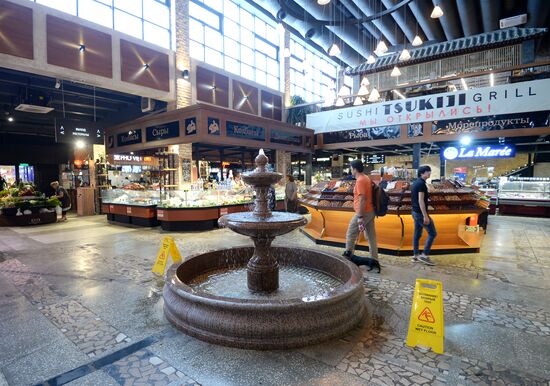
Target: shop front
(468, 138)
(201, 150)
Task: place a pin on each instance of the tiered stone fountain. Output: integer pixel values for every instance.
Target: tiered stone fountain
(319, 296)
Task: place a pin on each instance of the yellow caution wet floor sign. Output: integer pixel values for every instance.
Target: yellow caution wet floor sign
(168, 248)
(426, 324)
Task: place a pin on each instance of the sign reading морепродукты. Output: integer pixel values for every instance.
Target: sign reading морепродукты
(499, 100)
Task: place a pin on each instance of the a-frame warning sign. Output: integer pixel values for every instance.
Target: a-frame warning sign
(426, 315)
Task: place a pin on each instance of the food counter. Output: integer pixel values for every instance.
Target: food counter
(138, 207)
(177, 210)
(455, 210)
(22, 206)
(524, 197)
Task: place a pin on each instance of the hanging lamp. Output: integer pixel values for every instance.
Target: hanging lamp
(417, 41)
(363, 90)
(396, 71)
(374, 95)
(365, 81)
(381, 48)
(323, 2)
(334, 50)
(344, 91)
(340, 102)
(371, 59)
(358, 101)
(437, 12)
(405, 55)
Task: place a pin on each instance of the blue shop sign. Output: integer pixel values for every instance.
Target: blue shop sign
(242, 130)
(164, 131)
(129, 138)
(491, 151)
(285, 138)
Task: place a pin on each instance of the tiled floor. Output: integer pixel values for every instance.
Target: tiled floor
(79, 303)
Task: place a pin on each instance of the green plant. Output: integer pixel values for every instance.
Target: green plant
(7, 202)
(53, 202)
(297, 115)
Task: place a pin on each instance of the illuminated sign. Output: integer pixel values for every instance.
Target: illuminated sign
(375, 159)
(453, 153)
(69, 131)
(124, 157)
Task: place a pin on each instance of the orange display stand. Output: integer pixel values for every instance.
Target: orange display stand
(394, 231)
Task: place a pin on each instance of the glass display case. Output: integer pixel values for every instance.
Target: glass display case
(524, 190)
(524, 196)
(130, 197)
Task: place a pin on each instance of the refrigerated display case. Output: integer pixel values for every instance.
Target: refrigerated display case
(138, 207)
(524, 197)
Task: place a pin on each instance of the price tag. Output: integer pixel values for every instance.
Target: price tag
(111, 207)
(224, 211)
(160, 213)
(128, 210)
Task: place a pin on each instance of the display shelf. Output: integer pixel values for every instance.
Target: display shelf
(455, 220)
(524, 197)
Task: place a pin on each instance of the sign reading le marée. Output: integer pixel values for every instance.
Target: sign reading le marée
(503, 99)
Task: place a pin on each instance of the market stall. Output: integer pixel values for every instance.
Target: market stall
(454, 209)
(24, 205)
(132, 205)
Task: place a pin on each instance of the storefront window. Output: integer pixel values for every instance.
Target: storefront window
(311, 75)
(148, 20)
(245, 43)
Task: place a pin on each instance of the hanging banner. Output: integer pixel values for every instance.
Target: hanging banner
(491, 123)
(366, 134)
(504, 99)
(70, 131)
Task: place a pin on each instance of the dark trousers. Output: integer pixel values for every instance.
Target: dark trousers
(418, 228)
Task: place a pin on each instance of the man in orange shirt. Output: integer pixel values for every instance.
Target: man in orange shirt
(363, 220)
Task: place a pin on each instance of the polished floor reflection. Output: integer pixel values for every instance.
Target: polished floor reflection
(79, 303)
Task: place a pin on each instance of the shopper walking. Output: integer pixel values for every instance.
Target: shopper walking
(291, 195)
(420, 216)
(363, 219)
(63, 196)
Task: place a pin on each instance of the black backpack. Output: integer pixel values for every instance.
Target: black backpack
(380, 200)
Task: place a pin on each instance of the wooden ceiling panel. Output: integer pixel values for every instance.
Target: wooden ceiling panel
(212, 87)
(64, 39)
(272, 106)
(16, 27)
(143, 66)
(245, 98)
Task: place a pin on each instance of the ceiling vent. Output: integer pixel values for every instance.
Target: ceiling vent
(33, 109)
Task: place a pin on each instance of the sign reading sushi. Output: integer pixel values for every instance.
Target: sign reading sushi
(503, 99)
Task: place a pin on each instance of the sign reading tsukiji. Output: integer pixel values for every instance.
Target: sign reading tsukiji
(497, 100)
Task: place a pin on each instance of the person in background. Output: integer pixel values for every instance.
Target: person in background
(3, 183)
(126, 181)
(271, 199)
(63, 196)
(291, 194)
(363, 220)
(419, 201)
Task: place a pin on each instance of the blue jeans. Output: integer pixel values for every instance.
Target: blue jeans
(418, 227)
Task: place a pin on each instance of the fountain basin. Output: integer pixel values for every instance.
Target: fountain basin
(264, 322)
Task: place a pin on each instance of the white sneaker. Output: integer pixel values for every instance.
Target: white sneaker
(414, 259)
(425, 259)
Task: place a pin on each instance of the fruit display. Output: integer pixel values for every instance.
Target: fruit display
(25, 200)
(443, 196)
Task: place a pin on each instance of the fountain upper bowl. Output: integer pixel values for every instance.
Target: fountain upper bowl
(249, 224)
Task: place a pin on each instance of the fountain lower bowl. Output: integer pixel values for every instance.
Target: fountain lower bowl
(270, 323)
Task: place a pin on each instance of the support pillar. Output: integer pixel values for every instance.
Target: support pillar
(442, 165)
(416, 155)
(309, 168)
(283, 162)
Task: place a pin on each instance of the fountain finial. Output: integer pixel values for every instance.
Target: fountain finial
(261, 161)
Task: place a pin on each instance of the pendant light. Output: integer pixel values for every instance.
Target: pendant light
(417, 41)
(405, 55)
(344, 91)
(340, 102)
(363, 90)
(323, 2)
(381, 48)
(437, 12)
(358, 101)
(365, 81)
(395, 72)
(374, 95)
(371, 59)
(334, 50)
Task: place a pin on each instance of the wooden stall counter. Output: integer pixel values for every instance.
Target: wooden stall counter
(140, 215)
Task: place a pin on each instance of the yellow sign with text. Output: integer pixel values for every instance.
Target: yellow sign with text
(426, 324)
(168, 248)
